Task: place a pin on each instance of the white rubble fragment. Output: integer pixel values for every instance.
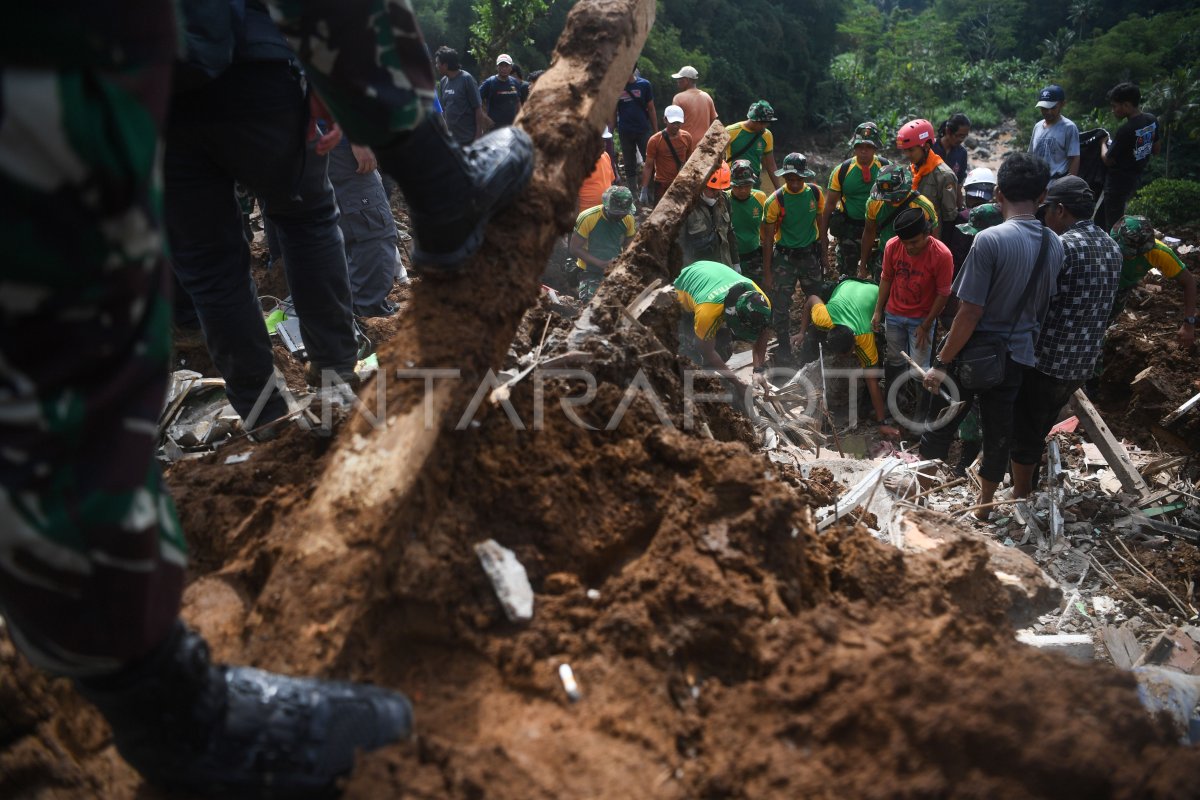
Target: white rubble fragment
(508, 578)
(1074, 645)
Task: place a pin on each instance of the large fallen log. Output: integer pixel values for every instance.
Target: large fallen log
(453, 333)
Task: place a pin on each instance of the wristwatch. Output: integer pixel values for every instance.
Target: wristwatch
(1190, 320)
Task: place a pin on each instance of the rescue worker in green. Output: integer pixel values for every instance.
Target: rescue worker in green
(751, 140)
(707, 233)
(850, 184)
(892, 193)
(746, 205)
(841, 325)
(1143, 252)
(792, 253)
(720, 305)
(601, 233)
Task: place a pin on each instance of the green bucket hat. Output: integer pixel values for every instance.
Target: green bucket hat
(748, 316)
(741, 173)
(761, 111)
(617, 200)
(1135, 235)
(893, 184)
(867, 133)
(981, 218)
(795, 164)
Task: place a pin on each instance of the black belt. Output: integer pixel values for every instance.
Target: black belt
(788, 251)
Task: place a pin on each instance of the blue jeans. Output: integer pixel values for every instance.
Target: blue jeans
(901, 333)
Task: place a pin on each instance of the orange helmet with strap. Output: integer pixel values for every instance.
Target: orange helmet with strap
(720, 178)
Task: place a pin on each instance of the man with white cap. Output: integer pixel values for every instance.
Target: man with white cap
(1055, 139)
(501, 93)
(698, 109)
(666, 153)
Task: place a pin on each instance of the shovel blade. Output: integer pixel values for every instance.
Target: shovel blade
(949, 412)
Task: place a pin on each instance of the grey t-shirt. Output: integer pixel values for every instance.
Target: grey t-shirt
(994, 276)
(1055, 144)
(459, 97)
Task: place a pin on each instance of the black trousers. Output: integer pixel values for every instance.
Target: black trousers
(995, 417)
(1038, 404)
(249, 126)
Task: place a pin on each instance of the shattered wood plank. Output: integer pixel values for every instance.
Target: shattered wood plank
(338, 531)
(1139, 522)
(1122, 645)
(648, 256)
(1114, 452)
(1187, 406)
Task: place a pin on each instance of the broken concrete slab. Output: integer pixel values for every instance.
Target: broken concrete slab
(1031, 592)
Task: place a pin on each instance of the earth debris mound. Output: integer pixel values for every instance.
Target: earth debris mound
(721, 646)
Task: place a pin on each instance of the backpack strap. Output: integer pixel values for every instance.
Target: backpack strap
(671, 147)
(746, 147)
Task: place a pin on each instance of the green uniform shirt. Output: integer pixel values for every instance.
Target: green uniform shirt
(1160, 257)
(800, 212)
(855, 186)
(701, 289)
(737, 148)
(880, 208)
(747, 219)
(852, 305)
(604, 236)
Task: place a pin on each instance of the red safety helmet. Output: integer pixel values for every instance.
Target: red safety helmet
(915, 134)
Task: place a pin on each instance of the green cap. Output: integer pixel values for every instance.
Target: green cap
(795, 164)
(741, 173)
(749, 316)
(1135, 235)
(893, 184)
(981, 218)
(617, 200)
(761, 111)
(867, 133)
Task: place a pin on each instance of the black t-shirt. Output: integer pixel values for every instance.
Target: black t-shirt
(1132, 145)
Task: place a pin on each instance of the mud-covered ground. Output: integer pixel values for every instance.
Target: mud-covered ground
(723, 648)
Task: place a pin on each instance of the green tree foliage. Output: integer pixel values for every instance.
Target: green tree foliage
(1176, 99)
(1140, 49)
(500, 23)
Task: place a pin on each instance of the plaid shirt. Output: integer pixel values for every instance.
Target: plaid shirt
(1072, 336)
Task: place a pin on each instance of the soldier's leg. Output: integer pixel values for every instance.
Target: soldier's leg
(369, 63)
(784, 272)
(371, 258)
(589, 284)
(91, 555)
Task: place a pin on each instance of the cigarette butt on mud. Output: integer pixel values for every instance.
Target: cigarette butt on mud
(567, 676)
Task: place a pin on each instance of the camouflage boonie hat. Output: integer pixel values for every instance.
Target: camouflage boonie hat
(795, 164)
(761, 111)
(749, 316)
(981, 218)
(1135, 235)
(893, 184)
(741, 173)
(617, 200)
(867, 133)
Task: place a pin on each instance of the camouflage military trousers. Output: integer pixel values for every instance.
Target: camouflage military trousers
(792, 268)
(589, 284)
(91, 552)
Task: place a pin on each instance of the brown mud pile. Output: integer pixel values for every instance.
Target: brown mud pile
(722, 647)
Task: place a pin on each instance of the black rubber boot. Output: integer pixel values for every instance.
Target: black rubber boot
(453, 191)
(188, 725)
